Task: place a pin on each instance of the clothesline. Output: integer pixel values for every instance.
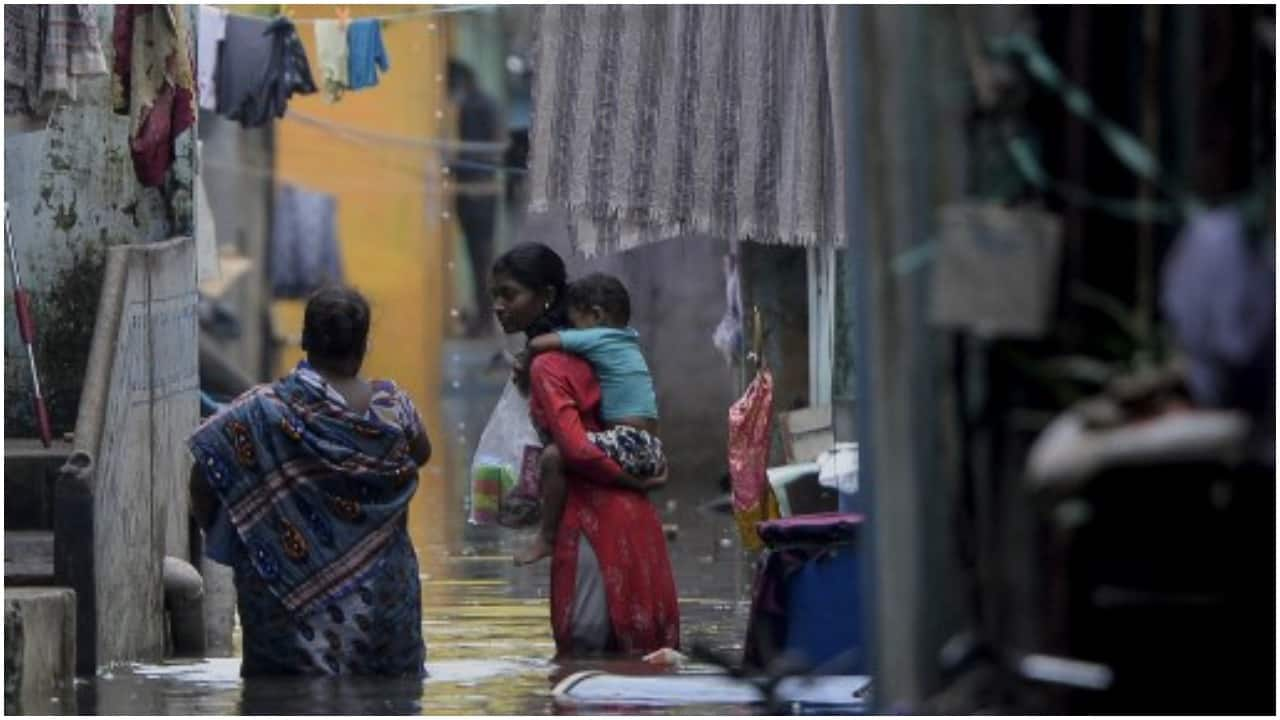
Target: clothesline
(404, 140)
(363, 136)
(410, 186)
(408, 14)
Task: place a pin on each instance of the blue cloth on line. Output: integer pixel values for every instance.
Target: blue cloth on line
(364, 51)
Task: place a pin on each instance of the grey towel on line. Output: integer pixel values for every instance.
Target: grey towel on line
(244, 55)
(652, 122)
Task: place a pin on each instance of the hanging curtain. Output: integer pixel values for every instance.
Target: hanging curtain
(652, 122)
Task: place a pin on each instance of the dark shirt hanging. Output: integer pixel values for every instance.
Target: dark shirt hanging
(262, 65)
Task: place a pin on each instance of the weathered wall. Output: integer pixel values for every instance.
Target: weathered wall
(72, 193)
(139, 406)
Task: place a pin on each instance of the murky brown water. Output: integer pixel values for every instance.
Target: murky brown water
(485, 621)
(488, 641)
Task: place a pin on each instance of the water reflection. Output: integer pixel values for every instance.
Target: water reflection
(339, 696)
(489, 644)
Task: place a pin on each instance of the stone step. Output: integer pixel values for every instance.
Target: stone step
(28, 557)
(39, 650)
(30, 476)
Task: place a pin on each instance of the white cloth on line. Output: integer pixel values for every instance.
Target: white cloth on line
(212, 28)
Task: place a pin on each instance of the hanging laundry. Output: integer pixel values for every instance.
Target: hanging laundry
(304, 242)
(48, 51)
(211, 30)
(242, 64)
(153, 82)
(289, 72)
(331, 47)
(262, 65)
(653, 122)
(365, 50)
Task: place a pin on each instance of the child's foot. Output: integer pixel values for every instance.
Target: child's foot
(536, 550)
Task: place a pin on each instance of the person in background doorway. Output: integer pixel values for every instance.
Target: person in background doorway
(477, 192)
(302, 486)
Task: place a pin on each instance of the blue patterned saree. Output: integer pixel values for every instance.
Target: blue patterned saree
(312, 506)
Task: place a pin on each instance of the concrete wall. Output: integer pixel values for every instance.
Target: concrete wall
(139, 406)
(72, 193)
(237, 171)
(911, 103)
(40, 650)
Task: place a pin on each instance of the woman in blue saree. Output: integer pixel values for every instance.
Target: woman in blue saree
(302, 486)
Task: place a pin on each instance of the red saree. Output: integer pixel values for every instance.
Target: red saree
(621, 524)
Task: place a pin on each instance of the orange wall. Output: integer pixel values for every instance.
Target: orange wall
(389, 220)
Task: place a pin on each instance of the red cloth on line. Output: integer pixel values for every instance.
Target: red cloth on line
(621, 524)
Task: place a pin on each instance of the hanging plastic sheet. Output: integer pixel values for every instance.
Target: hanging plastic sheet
(750, 422)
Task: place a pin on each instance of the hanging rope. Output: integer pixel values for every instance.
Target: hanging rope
(354, 132)
(407, 184)
(391, 17)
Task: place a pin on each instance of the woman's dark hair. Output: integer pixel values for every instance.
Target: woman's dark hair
(605, 291)
(335, 328)
(536, 267)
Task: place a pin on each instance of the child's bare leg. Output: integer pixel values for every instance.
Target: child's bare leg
(553, 497)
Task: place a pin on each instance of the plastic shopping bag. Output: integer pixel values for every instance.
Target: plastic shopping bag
(505, 481)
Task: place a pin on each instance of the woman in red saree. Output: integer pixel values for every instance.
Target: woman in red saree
(612, 589)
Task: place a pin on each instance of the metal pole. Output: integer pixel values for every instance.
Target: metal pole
(859, 309)
(27, 330)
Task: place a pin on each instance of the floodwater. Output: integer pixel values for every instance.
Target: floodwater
(488, 636)
(486, 622)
